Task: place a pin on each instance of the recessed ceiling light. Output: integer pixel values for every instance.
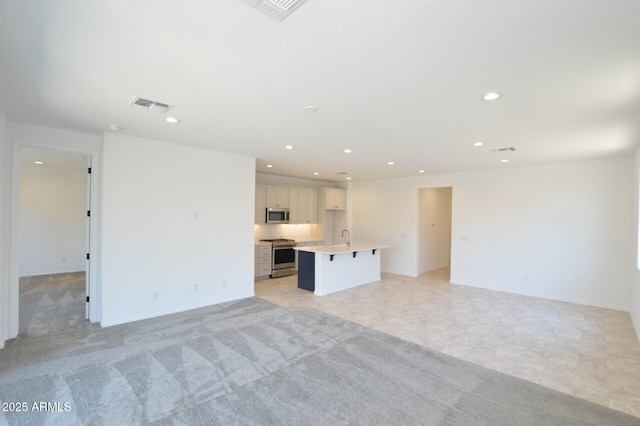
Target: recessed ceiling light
(504, 161)
(492, 96)
(289, 147)
(348, 177)
(478, 144)
(420, 171)
(38, 162)
(316, 173)
(311, 108)
(172, 120)
(269, 166)
(114, 127)
(347, 151)
(390, 163)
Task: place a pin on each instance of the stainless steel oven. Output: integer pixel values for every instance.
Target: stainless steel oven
(283, 257)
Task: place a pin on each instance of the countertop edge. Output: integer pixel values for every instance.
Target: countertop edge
(353, 247)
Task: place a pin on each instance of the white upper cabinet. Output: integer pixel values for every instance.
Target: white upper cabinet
(261, 204)
(303, 205)
(335, 199)
(302, 202)
(278, 196)
(294, 204)
(308, 206)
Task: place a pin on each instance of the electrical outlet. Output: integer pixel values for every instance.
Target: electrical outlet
(195, 287)
(156, 294)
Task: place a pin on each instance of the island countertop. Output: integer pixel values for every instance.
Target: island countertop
(341, 248)
(327, 269)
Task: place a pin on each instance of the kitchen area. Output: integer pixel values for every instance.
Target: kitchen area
(294, 213)
(301, 227)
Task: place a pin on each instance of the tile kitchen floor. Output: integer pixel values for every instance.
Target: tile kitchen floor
(591, 353)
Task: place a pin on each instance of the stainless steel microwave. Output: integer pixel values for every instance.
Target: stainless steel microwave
(277, 215)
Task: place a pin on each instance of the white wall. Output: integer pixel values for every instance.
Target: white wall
(635, 269)
(5, 232)
(386, 212)
(173, 216)
(53, 220)
(434, 226)
(558, 231)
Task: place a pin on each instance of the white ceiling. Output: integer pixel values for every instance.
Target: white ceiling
(56, 159)
(394, 81)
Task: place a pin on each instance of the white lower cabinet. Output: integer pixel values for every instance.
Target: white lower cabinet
(262, 265)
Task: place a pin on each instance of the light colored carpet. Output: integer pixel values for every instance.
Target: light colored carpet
(251, 362)
(52, 302)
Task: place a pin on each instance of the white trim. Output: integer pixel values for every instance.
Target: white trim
(175, 311)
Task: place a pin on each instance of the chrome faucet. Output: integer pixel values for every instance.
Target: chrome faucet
(348, 236)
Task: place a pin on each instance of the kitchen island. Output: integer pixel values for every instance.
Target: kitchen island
(327, 269)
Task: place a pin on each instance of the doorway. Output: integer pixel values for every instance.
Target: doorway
(54, 197)
(43, 243)
(434, 230)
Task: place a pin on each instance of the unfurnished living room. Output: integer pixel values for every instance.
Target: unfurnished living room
(318, 212)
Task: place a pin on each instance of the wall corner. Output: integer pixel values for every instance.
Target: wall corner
(634, 308)
(5, 245)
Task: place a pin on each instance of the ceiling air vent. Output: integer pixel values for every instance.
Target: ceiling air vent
(150, 105)
(508, 149)
(278, 9)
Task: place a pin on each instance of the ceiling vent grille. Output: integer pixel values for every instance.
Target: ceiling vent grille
(278, 9)
(508, 149)
(150, 105)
